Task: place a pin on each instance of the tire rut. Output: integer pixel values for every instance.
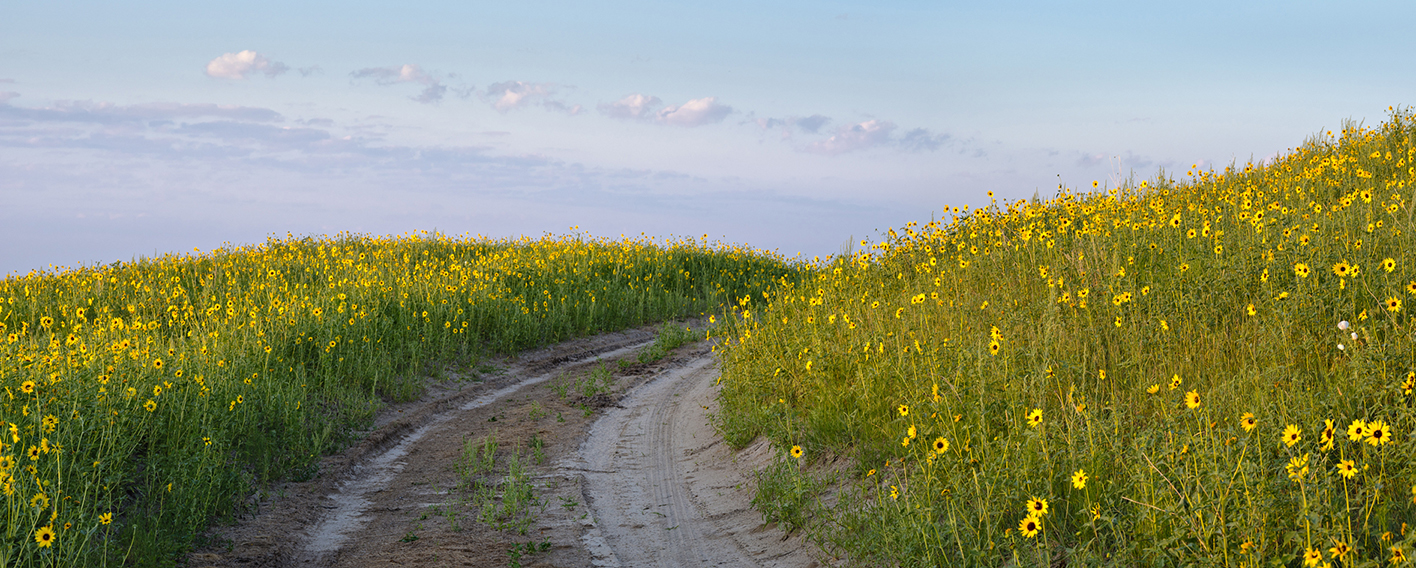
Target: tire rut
(674, 498)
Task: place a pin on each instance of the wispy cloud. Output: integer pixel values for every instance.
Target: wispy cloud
(696, 112)
(641, 107)
(109, 113)
(240, 64)
(631, 107)
(433, 89)
(792, 124)
(5, 96)
(311, 70)
(509, 95)
(850, 138)
(876, 133)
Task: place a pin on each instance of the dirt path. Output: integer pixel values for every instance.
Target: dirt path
(665, 490)
(632, 475)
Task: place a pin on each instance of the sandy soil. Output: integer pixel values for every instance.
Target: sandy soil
(633, 477)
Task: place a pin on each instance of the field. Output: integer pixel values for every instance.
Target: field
(1211, 370)
(1215, 369)
(144, 400)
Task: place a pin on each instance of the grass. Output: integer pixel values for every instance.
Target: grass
(142, 400)
(1211, 370)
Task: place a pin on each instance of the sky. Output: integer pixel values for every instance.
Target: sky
(135, 129)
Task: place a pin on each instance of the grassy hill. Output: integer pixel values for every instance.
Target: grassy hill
(142, 400)
(1210, 370)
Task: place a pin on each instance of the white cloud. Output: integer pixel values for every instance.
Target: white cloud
(239, 65)
(433, 89)
(631, 107)
(5, 96)
(508, 95)
(696, 112)
(311, 70)
(854, 137)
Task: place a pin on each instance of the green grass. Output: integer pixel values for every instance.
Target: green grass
(1031, 341)
(153, 395)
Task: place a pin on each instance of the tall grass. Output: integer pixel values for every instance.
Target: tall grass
(141, 400)
(1215, 370)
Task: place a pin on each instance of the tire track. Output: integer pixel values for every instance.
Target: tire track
(651, 494)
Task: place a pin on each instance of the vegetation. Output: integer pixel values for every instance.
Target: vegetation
(1216, 370)
(142, 400)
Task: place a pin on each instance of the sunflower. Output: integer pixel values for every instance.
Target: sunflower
(1312, 557)
(1342, 269)
(150, 405)
(105, 518)
(1388, 264)
(1175, 381)
(1339, 549)
(1251, 310)
(27, 387)
(44, 536)
(1325, 438)
(39, 501)
(1291, 435)
(6, 462)
(904, 410)
(1035, 417)
(1079, 479)
(1192, 399)
(941, 445)
(1301, 269)
(1378, 434)
(912, 432)
(993, 347)
(1357, 430)
(1029, 526)
(1411, 287)
(1248, 422)
(1347, 468)
(1297, 468)
(1037, 507)
(1153, 389)
(1393, 304)
(796, 451)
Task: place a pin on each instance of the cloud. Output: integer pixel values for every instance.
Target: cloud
(109, 113)
(311, 70)
(859, 136)
(561, 106)
(239, 65)
(631, 107)
(696, 112)
(921, 139)
(808, 124)
(5, 96)
(433, 89)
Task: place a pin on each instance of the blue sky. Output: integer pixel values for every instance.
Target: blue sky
(133, 129)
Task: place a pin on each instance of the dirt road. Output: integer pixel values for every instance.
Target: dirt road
(532, 463)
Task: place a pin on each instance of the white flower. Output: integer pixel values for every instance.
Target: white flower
(1340, 347)
(1342, 325)
(1354, 336)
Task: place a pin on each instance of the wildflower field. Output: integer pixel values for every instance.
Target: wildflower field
(1215, 370)
(143, 400)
